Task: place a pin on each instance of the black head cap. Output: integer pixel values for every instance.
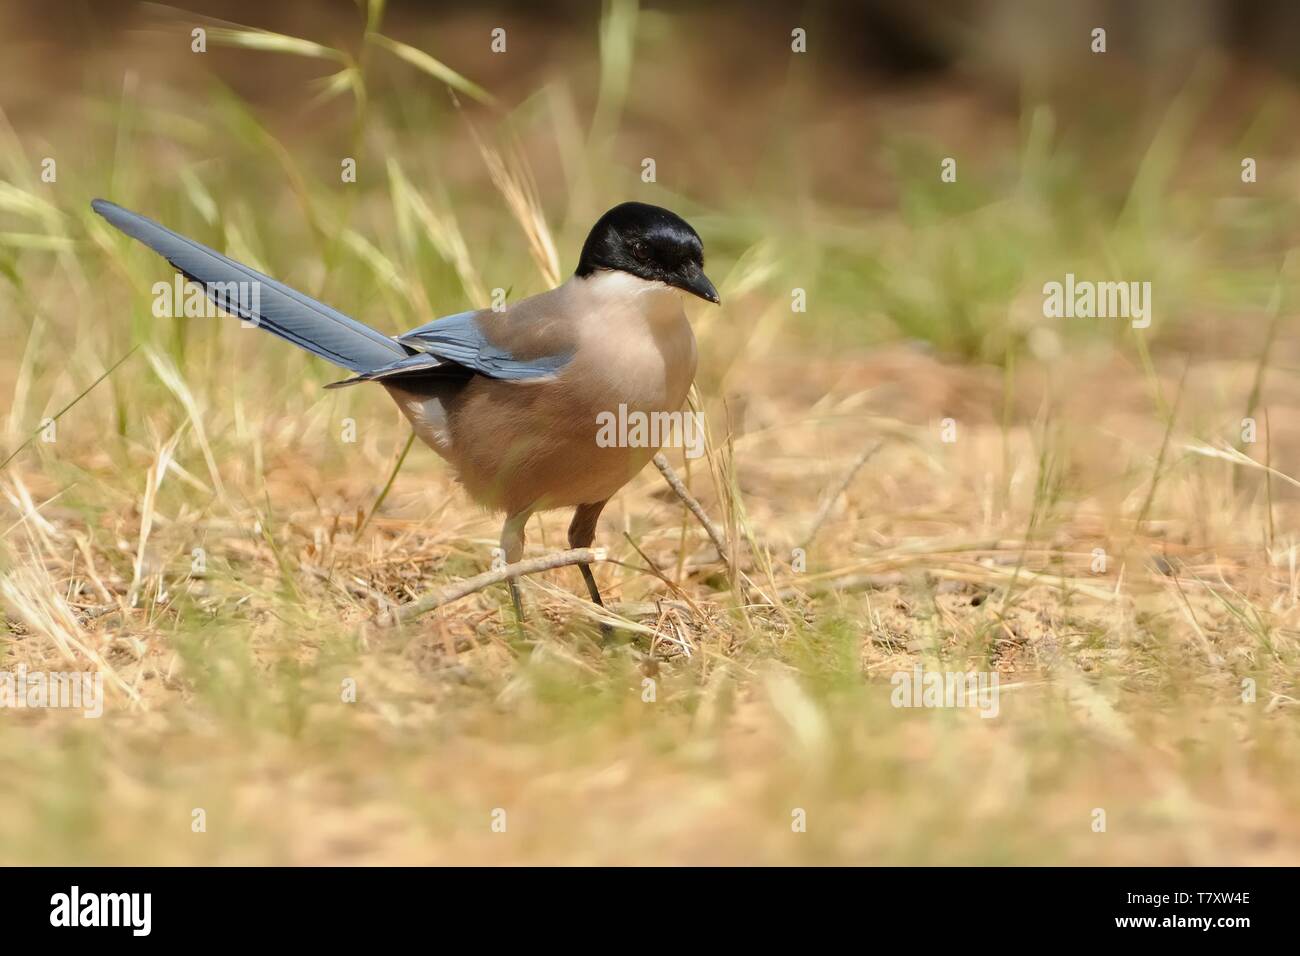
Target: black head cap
(649, 242)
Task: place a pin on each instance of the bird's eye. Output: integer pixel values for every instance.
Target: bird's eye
(640, 249)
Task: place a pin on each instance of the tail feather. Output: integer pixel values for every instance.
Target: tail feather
(274, 306)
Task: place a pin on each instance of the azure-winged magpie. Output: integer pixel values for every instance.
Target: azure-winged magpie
(510, 398)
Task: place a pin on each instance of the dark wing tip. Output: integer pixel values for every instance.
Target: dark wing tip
(344, 383)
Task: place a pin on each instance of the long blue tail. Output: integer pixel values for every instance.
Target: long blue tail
(283, 311)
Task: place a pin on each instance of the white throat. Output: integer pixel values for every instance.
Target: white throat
(622, 292)
(636, 335)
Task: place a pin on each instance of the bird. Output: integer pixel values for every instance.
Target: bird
(509, 397)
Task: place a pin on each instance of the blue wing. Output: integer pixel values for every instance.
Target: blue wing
(458, 342)
(460, 338)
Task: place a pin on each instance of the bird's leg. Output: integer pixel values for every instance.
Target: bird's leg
(512, 546)
(591, 583)
(582, 531)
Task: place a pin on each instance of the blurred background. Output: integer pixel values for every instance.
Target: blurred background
(813, 171)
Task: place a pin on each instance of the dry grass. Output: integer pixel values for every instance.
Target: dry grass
(1122, 688)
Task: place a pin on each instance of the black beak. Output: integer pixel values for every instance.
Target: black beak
(696, 282)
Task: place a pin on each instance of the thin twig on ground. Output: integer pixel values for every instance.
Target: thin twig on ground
(454, 592)
(695, 508)
(849, 582)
